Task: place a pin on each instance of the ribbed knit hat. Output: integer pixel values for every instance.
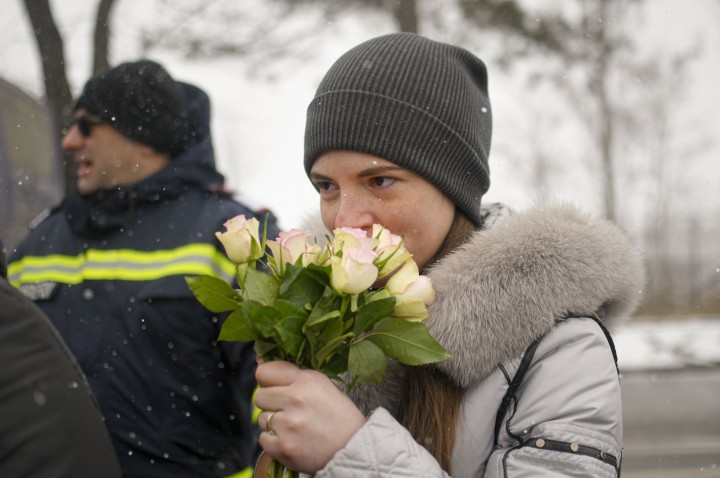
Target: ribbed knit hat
(418, 103)
(143, 102)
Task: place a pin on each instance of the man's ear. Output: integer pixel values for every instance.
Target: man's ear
(145, 150)
(149, 154)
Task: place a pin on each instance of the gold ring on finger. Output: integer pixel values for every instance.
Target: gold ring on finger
(268, 424)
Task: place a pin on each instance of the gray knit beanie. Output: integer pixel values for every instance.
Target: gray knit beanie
(143, 102)
(418, 103)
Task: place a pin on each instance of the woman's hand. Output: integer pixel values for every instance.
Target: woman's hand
(310, 419)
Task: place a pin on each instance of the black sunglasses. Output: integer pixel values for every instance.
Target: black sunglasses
(84, 124)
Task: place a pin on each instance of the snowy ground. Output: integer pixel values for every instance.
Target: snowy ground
(668, 345)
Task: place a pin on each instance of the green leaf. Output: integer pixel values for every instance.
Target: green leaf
(337, 364)
(319, 337)
(370, 313)
(263, 349)
(313, 321)
(236, 329)
(290, 334)
(379, 294)
(366, 362)
(327, 305)
(330, 347)
(320, 273)
(262, 318)
(289, 308)
(289, 329)
(408, 342)
(261, 287)
(213, 293)
(301, 286)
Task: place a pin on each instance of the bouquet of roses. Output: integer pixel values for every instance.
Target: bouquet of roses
(341, 308)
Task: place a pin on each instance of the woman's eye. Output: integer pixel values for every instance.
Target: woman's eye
(325, 186)
(382, 181)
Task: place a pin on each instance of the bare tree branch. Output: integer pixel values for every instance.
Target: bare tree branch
(406, 16)
(57, 89)
(102, 36)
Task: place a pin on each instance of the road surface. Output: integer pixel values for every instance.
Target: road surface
(672, 424)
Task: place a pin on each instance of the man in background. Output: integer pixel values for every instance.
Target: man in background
(108, 267)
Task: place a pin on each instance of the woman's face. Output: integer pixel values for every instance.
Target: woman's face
(358, 189)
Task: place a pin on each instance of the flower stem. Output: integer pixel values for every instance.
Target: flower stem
(344, 306)
(277, 470)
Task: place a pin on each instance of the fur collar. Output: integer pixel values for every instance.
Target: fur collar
(512, 282)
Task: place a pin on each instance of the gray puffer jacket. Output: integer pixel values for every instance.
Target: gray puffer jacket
(542, 274)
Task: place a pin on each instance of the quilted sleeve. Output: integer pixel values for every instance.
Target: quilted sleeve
(382, 448)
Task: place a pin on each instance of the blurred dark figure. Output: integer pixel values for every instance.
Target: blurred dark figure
(51, 424)
(108, 267)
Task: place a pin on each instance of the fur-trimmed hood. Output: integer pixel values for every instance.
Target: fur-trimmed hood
(510, 283)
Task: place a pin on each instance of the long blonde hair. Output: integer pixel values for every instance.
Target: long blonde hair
(431, 401)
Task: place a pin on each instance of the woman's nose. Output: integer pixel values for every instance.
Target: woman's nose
(353, 211)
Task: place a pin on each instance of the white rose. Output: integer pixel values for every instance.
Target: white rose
(354, 272)
(241, 239)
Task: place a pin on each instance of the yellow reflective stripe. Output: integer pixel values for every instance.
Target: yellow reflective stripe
(246, 473)
(56, 268)
(149, 257)
(40, 261)
(122, 264)
(255, 410)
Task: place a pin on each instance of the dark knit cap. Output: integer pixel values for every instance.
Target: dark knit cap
(143, 102)
(418, 103)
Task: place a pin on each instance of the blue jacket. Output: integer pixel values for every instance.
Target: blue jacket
(109, 270)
